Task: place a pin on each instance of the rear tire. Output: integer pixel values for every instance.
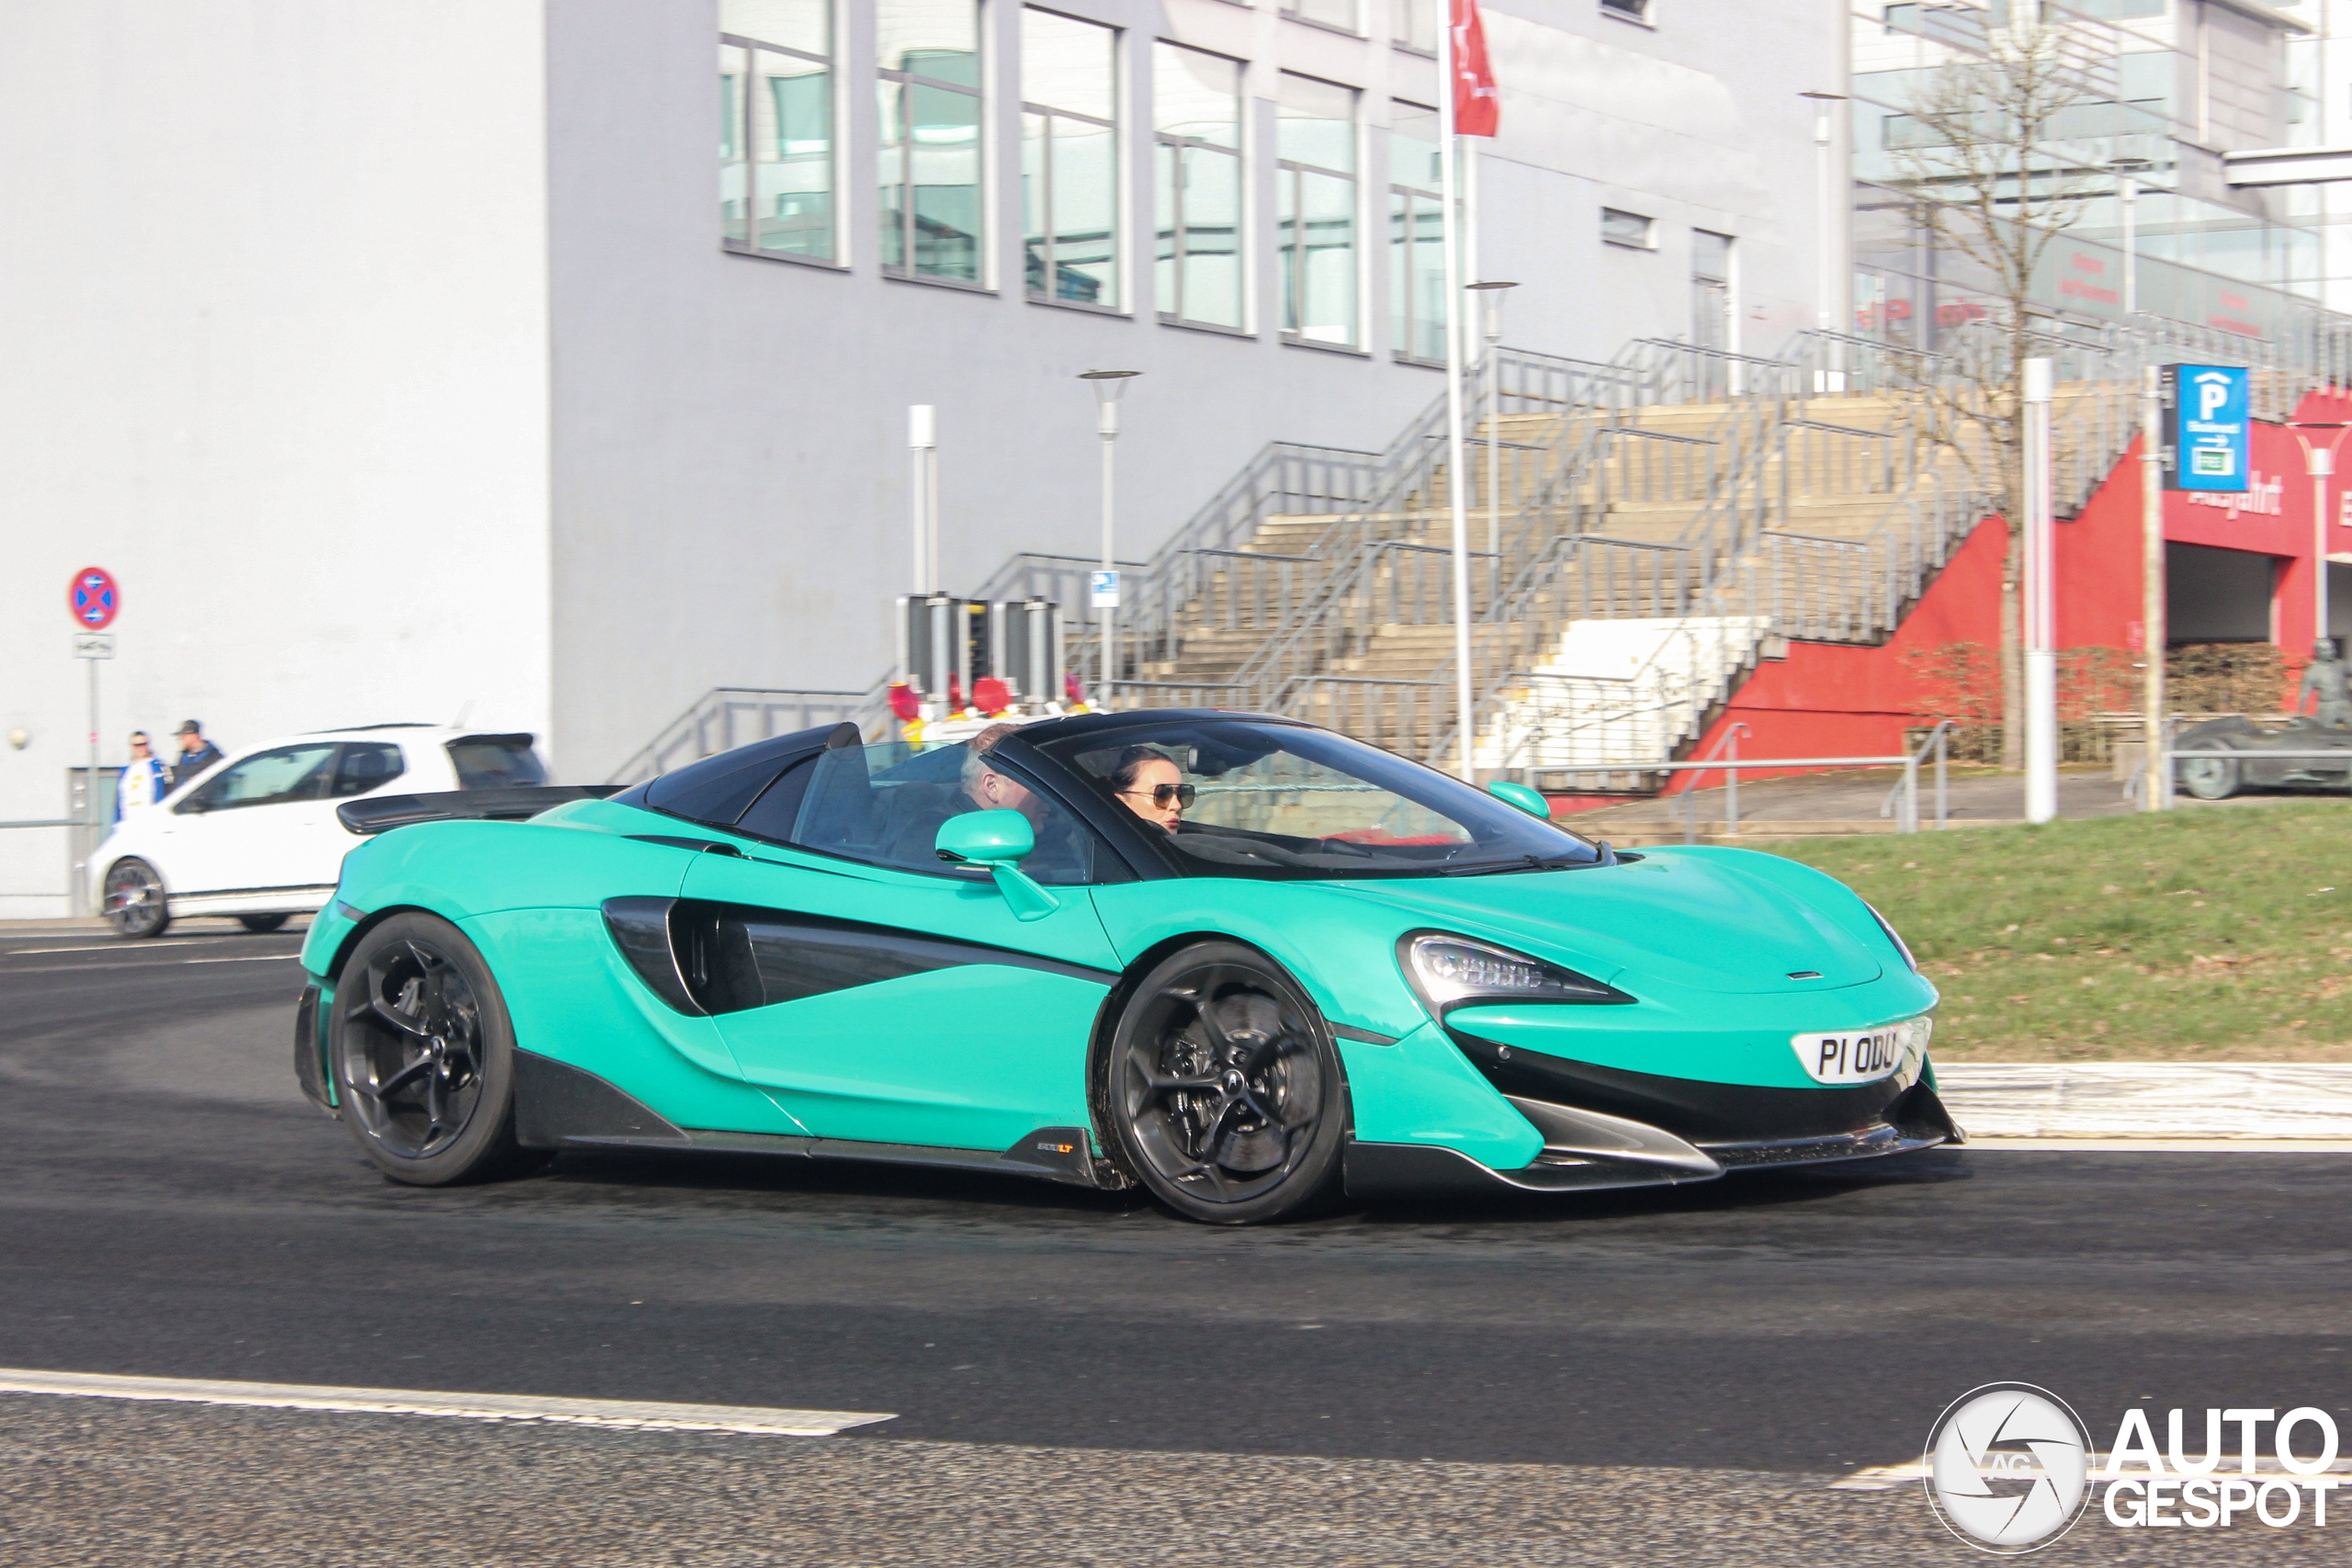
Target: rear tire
(135, 905)
(423, 1056)
(1221, 1089)
(261, 925)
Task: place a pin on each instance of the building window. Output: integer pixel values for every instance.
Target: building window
(1628, 229)
(776, 127)
(1416, 235)
(1416, 24)
(930, 162)
(1196, 124)
(1069, 170)
(1339, 14)
(1314, 150)
(1627, 10)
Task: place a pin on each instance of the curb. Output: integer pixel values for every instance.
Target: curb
(2127, 1100)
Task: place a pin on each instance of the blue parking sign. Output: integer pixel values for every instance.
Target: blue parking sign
(1102, 590)
(2206, 425)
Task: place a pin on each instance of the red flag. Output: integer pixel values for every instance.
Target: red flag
(1478, 107)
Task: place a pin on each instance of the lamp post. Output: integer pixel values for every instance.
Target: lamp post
(2127, 176)
(1490, 313)
(2040, 605)
(1108, 385)
(922, 446)
(1825, 198)
(2319, 462)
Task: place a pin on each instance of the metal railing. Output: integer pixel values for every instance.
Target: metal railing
(1907, 792)
(729, 717)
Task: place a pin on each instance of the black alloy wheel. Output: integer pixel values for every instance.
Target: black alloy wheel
(2209, 777)
(1222, 1090)
(261, 925)
(135, 905)
(423, 1056)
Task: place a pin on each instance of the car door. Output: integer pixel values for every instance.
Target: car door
(317, 841)
(889, 998)
(243, 827)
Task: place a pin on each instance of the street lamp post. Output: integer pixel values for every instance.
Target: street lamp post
(2319, 462)
(1490, 301)
(922, 446)
(1108, 385)
(1825, 198)
(2040, 602)
(2127, 173)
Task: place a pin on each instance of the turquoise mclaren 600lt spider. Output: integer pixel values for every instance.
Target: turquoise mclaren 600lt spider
(1246, 964)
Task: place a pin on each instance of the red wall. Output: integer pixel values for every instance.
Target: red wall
(1833, 700)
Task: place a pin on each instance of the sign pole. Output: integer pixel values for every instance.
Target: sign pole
(1457, 497)
(94, 600)
(2041, 653)
(2155, 775)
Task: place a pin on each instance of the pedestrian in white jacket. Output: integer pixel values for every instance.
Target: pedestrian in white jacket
(143, 782)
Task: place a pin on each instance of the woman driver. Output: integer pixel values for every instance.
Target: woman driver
(1151, 786)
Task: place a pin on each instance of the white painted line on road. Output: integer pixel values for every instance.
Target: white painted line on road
(1887, 1477)
(39, 952)
(466, 1406)
(248, 958)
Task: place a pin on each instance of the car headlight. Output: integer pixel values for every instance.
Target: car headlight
(1450, 971)
(1892, 935)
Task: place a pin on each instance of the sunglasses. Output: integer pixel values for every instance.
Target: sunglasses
(1162, 794)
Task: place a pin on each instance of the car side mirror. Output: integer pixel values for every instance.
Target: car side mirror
(996, 841)
(1526, 798)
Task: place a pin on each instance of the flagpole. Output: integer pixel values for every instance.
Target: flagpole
(1457, 494)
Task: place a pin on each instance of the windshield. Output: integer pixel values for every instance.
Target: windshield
(1240, 797)
(496, 762)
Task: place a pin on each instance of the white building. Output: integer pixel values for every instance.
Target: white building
(395, 359)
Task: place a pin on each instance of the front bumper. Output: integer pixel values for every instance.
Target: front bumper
(1587, 1150)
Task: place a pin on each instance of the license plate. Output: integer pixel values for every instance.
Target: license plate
(1855, 1057)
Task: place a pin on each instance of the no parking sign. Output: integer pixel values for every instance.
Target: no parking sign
(95, 598)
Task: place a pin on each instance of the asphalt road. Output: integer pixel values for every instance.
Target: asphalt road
(1075, 1377)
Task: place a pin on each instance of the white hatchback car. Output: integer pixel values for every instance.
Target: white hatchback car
(256, 835)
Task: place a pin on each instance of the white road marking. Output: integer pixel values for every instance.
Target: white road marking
(145, 963)
(1887, 1477)
(466, 1406)
(38, 951)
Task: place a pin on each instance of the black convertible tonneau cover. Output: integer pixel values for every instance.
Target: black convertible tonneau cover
(381, 813)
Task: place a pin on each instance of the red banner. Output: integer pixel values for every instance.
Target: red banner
(1478, 107)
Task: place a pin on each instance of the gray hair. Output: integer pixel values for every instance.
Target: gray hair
(977, 749)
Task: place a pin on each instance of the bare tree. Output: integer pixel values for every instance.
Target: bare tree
(1977, 147)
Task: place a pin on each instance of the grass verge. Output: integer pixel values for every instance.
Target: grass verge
(2219, 934)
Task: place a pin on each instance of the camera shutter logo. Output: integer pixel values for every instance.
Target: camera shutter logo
(2008, 1468)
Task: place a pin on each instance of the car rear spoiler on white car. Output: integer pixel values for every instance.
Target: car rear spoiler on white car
(381, 813)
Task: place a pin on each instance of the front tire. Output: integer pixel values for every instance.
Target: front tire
(2211, 777)
(1221, 1089)
(423, 1056)
(135, 905)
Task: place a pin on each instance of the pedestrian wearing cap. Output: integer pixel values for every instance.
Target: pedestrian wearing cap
(197, 754)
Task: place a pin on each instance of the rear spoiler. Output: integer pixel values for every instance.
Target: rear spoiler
(381, 813)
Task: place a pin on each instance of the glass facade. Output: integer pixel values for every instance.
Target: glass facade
(1416, 236)
(1070, 162)
(1197, 130)
(775, 129)
(929, 165)
(1316, 167)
